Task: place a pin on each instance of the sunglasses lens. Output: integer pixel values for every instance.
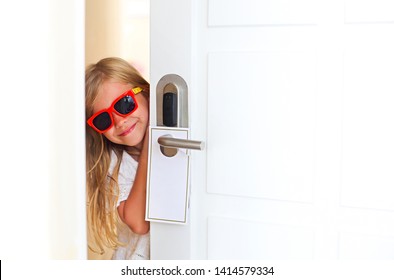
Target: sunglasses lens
(102, 121)
(125, 105)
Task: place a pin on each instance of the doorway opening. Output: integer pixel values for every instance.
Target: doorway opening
(117, 28)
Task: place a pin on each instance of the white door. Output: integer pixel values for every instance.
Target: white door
(294, 101)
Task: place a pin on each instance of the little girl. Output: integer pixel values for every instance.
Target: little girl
(117, 114)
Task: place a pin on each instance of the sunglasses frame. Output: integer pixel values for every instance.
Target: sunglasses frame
(131, 92)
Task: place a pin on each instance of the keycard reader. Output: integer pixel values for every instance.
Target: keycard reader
(172, 102)
(170, 109)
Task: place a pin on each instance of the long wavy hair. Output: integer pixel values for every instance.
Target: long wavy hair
(102, 188)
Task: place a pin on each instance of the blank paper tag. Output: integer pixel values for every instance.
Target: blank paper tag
(168, 179)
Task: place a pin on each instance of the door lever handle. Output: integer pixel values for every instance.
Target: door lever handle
(170, 142)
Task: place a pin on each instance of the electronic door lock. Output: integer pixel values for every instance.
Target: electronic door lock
(172, 102)
(169, 160)
(172, 111)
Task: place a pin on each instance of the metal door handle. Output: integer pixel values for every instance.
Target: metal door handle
(169, 142)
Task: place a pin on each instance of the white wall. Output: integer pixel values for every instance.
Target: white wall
(42, 194)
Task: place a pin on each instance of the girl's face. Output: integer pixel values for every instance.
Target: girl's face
(130, 130)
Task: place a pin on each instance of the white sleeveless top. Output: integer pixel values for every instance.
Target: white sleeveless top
(137, 246)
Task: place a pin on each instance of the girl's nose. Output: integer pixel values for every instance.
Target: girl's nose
(118, 120)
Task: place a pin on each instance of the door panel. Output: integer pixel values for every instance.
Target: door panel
(368, 133)
(230, 238)
(263, 125)
(256, 12)
(363, 246)
(368, 11)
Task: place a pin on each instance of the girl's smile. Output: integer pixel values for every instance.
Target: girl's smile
(127, 131)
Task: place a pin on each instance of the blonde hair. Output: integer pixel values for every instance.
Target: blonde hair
(102, 188)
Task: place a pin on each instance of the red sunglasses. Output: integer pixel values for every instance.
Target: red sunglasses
(124, 105)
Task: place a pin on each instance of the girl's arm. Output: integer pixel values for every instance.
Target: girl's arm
(132, 210)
